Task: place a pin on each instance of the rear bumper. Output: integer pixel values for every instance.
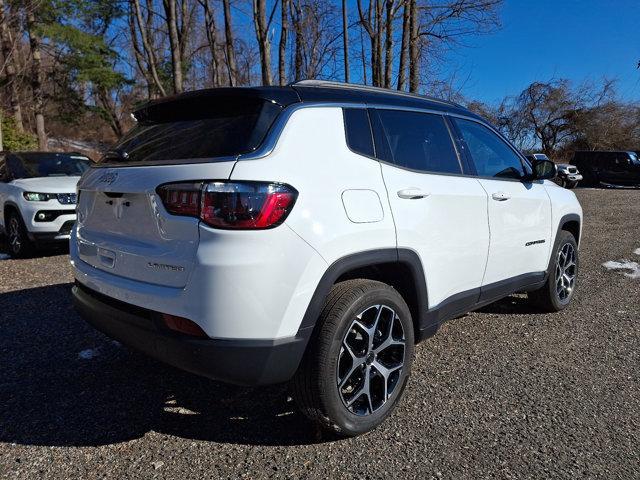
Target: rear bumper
(242, 362)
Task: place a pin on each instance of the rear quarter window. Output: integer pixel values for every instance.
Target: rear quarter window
(358, 131)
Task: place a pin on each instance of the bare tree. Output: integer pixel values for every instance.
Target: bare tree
(317, 39)
(9, 54)
(36, 75)
(414, 51)
(404, 45)
(146, 57)
(282, 47)
(212, 40)
(345, 40)
(446, 22)
(262, 26)
(229, 44)
(171, 14)
(371, 21)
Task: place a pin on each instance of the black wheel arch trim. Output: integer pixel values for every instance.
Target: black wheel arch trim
(343, 265)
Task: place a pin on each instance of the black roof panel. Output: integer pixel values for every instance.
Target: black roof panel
(304, 91)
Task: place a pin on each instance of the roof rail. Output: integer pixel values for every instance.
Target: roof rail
(367, 88)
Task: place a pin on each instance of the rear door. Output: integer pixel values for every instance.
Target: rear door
(439, 213)
(519, 211)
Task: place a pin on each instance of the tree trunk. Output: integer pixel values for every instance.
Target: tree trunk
(110, 109)
(388, 43)
(36, 77)
(212, 34)
(296, 18)
(262, 35)
(373, 27)
(149, 51)
(364, 59)
(282, 49)
(171, 13)
(345, 40)
(230, 52)
(404, 47)
(378, 44)
(414, 51)
(8, 53)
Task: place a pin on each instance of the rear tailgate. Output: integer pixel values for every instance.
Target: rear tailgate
(124, 229)
(123, 226)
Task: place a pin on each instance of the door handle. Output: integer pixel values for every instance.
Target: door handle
(500, 196)
(412, 193)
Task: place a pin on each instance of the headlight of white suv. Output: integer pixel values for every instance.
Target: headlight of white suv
(38, 197)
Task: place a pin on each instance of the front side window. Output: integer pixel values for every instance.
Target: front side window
(491, 155)
(418, 141)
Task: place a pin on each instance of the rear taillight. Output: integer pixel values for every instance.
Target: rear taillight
(181, 198)
(231, 205)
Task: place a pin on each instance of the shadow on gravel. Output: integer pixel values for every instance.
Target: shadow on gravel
(510, 305)
(52, 394)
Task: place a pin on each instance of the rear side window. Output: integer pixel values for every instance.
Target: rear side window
(418, 141)
(491, 155)
(174, 132)
(358, 131)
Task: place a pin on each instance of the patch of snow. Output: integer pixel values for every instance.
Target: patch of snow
(629, 269)
(637, 251)
(88, 354)
(4, 256)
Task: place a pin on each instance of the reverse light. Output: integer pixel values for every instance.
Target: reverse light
(231, 205)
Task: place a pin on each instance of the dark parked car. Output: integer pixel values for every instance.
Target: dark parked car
(614, 168)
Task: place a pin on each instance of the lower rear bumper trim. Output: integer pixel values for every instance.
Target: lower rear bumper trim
(237, 361)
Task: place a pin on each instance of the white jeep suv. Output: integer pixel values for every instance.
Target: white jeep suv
(313, 233)
(38, 197)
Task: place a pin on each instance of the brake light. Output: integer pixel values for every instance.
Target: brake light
(231, 205)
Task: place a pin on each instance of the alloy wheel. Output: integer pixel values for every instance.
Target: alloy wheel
(371, 360)
(566, 270)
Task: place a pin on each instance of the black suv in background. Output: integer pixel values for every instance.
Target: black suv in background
(616, 168)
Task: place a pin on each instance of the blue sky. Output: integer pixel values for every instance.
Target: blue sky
(580, 40)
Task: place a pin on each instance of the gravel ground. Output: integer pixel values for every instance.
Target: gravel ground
(506, 392)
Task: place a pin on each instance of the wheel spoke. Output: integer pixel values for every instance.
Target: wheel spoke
(385, 373)
(356, 363)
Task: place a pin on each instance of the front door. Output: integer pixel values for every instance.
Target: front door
(519, 211)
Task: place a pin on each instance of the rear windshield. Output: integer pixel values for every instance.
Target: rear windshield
(35, 165)
(177, 132)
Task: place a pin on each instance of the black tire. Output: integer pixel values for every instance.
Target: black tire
(18, 243)
(571, 185)
(316, 387)
(550, 297)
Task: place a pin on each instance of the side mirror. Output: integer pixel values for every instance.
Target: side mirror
(543, 169)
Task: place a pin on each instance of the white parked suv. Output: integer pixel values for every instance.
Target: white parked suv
(38, 197)
(313, 233)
